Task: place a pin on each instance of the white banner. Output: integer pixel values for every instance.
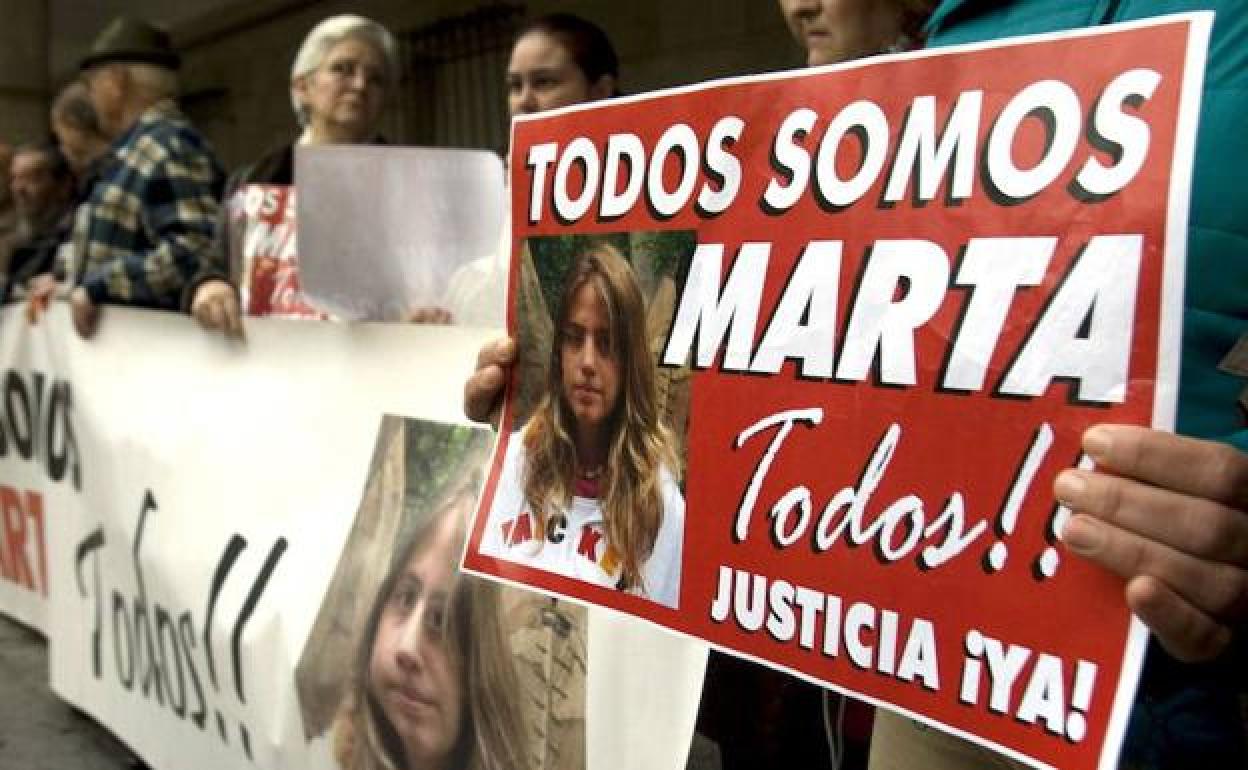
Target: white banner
(193, 497)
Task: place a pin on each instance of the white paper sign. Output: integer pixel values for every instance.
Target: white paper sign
(382, 229)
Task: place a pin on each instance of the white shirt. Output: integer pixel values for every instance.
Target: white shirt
(476, 294)
(575, 543)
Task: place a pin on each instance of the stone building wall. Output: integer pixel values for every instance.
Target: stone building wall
(23, 70)
(238, 58)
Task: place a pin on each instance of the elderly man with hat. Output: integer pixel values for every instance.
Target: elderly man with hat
(139, 234)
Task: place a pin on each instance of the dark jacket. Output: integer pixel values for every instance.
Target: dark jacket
(275, 168)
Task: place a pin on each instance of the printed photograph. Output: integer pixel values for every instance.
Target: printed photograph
(591, 480)
(411, 664)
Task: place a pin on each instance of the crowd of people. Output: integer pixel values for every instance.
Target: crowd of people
(130, 206)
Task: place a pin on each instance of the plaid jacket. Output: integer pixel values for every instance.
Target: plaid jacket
(139, 235)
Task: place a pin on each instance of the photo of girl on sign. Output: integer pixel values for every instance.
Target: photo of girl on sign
(588, 487)
(413, 665)
(433, 685)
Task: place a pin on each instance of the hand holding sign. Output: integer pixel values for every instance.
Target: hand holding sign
(42, 288)
(485, 386)
(1173, 523)
(86, 313)
(216, 307)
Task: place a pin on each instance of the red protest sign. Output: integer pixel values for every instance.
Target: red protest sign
(801, 355)
(262, 227)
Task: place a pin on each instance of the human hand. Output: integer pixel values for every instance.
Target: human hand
(484, 388)
(215, 307)
(39, 293)
(1170, 515)
(86, 313)
(428, 315)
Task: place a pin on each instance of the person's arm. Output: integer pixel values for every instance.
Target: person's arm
(1170, 515)
(211, 296)
(179, 215)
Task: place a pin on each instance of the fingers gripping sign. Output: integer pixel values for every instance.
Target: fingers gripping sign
(1170, 515)
(216, 307)
(483, 390)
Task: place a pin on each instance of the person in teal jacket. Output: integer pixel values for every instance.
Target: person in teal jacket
(1174, 525)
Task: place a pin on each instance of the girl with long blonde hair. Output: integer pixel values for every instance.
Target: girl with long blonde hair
(587, 488)
(433, 686)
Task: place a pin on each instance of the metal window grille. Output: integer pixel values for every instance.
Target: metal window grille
(453, 92)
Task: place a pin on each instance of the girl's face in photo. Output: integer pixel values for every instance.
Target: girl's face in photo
(346, 93)
(412, 675)
(590, 360)
(542, 75)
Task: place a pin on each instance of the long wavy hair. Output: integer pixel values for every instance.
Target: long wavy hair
(492, 735)
(639, 445)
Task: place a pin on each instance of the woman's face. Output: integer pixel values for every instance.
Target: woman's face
(412, 675)
(833, 31)
(542, 75)
(344, 95)
(590, 361)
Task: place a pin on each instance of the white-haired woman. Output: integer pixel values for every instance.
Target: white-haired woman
(341, 77)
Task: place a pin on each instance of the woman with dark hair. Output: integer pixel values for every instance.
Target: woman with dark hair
(556, 61)
(559, 60)
(433, 686)
(587, 488)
